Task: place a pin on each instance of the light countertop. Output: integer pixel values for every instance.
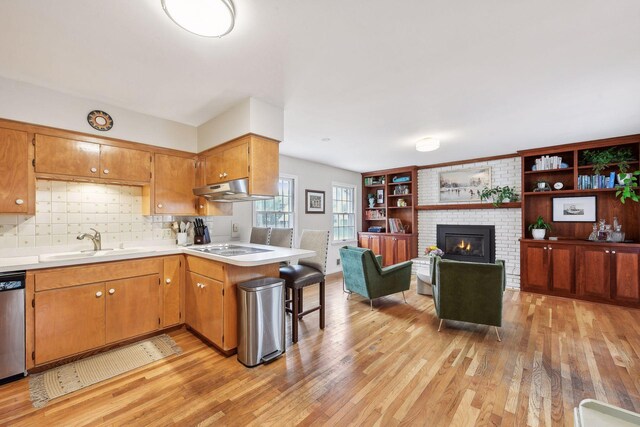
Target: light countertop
(35, 262)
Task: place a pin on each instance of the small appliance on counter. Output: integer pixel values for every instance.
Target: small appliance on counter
(201, 232)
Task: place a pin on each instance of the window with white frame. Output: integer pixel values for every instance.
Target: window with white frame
(344, 212)
(278, 212)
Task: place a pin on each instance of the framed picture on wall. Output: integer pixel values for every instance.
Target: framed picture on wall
(380, 196)
(574, 209)
(314, 202)
(463, 185)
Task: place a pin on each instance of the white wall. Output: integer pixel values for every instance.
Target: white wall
(310, 176)
(508, 222)
(33, 104)
(249, 116)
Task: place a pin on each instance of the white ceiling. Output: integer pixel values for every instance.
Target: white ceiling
(486, 77)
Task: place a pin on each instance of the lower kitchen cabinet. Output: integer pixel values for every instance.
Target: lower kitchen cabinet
(130, 299)
(626, 275)
(132, 307)
(368, 241)
(394, 248)
(69, 321)
(205, 308)
(548, 267)
(594, 272)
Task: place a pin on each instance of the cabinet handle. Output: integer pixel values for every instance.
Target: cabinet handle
(93, 170)
(106, 171)
(159, 205)
(613, 252)
(168, 281)
(545, 248)
(112, 291)
(19, 201)
(606, 252)
(220, 176)
(224, 175)
(201, 286)
(98, 294)
(550, 248)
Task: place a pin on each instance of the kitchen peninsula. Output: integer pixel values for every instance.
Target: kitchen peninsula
(81, 302)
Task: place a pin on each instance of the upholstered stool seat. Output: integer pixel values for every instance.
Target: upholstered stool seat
(299, 276)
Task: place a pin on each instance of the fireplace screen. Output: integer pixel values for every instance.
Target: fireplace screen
(466, 245)
(473, 243)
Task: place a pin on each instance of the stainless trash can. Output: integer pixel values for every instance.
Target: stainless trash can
(261, 333)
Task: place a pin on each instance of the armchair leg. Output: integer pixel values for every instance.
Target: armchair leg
(441, 323)
(497, 333)
(371, 302)
(404, 298)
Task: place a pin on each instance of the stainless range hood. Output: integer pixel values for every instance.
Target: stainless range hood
(230, 191)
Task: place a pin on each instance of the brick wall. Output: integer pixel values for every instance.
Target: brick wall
(508, 222)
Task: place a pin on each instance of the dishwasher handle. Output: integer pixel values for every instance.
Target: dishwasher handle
(11, 281)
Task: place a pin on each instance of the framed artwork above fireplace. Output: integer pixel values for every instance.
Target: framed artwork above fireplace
(463, 185)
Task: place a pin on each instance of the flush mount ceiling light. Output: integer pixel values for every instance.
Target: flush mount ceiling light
(206, 18)
(428, 144)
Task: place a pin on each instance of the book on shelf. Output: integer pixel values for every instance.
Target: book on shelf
(395, 225)
(594, 182)
(548, 163)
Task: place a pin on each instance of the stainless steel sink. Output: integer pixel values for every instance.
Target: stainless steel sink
(89, 254)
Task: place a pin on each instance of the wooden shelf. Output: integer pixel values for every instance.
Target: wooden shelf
(509, 205)
(400, 183)
(545, 193)
(584, 167)
(376, 208)
(400, 195)
(400, 207)
(561, 170)
(374, 186)
(377, 219)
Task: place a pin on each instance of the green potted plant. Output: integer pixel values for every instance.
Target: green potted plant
(601, 159)
(499, 195)
(629, 187)
(539, 228)
(624, 156)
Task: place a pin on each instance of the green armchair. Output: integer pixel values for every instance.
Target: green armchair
(364, 275)
(468, 291)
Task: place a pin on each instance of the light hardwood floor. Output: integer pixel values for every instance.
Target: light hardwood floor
(384, 367)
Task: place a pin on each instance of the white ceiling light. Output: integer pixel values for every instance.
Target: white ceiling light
(207, 18)
(428, 144)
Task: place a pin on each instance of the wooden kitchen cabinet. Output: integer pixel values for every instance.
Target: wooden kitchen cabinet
(124, 164)
(204, 307)
(17, 186)
(563, 267)
(626, 275)
(172, 288)
(69, 321)
(395, 249)
(250, 156)
(535, 266)
(132, 307)
(63, 156)
(172, 188)
(373, 242)
(82, 308)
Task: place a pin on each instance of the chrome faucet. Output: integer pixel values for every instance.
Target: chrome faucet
(95, 238)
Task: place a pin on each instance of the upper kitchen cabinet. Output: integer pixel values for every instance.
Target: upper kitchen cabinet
(71, 158)
(172, 189)
(62, 156)
(125, 164)
(17, 185)
(253, 157)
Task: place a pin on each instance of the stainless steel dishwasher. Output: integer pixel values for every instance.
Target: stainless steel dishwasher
(12, 327)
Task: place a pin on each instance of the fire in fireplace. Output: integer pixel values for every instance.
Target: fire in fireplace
(475, 243)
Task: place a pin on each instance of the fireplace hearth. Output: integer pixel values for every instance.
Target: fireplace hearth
(473, 243)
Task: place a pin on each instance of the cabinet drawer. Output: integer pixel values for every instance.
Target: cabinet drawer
(205, 267)
(94, 273)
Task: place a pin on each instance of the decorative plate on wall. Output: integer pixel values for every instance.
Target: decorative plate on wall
(100, 120)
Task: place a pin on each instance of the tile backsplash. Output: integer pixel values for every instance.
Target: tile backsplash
(66, 209)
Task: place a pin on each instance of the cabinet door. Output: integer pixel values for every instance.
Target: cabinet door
(175, 179)
(204, 307)
(125, 164)
(133, 307)
(236, 162)
(594, 272)
(363, 241)
(375, 244)
(213, 165)
(388, 250)
(171, 298)
(535, 266)
(14, 171)
(61, 156)
(563, 267)
(403, 252)
(69, 321)
(626, 275)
